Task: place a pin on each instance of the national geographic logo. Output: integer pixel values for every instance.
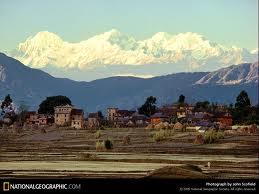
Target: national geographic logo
(39, 186)
(6, 186)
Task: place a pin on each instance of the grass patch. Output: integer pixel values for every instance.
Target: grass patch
(98, 134)
(99, 146)
(212, 136)
(103, 145)
(161, 135)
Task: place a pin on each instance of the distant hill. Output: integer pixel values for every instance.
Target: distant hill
(235, 74)
(30, 86)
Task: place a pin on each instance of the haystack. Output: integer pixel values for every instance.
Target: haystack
(178, 126)
(160, 126)
(150, 126)
(171, 126)
(199, 139)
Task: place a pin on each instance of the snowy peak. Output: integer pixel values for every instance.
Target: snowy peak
(191, 50)
(236, 74)
(42, 39)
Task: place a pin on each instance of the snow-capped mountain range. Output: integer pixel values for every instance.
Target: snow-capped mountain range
(191, 50)
(31, 86)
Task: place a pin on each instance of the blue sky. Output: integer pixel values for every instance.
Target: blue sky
(229, 22)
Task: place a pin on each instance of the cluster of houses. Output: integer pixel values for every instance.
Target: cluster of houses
(171, 114)
(68, 115)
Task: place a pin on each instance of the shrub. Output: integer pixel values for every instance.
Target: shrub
(161, 135)
(99, 146)
(108, 144)
(212, 136)
(98, 134)
(220, 135)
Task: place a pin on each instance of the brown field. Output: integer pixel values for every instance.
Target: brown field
(69, 153)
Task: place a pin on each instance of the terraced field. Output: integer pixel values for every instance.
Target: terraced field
(71, 153)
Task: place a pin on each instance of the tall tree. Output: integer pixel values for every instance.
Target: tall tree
(47, 106)
(7, 102)
(181, 99)
(149, 107)
(242, 100)
(6, 106)
(242, 111)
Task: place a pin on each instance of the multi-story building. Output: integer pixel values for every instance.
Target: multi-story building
(111, 114)
(33, 118)
(94, 120)
(77, 118)
(63, 115)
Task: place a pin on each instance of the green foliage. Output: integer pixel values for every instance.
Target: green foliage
(161, 135)
(99, 146)
(202, 106)
(6, 102)
(149, 107)
(243, 113)
(242, 100)
(47, 106)
(8, 110)
(103, 145)
(181, 99)
(212, 136)
(98, 134)
(108, 144)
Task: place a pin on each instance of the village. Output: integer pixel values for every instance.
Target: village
(179, 115)
(179, 140)
(183, 116)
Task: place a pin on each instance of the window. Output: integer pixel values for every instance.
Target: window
(65, 120)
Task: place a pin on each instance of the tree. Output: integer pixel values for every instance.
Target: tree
(213, 107)
(242, 111)
(6, 106)
(242, 100)
(202, 106)
(47, 106)
(7, 115)
(22, 112)
(149, 107)
(7, 102)
(181, 99)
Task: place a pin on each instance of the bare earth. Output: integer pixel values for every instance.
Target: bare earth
(70, 153)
